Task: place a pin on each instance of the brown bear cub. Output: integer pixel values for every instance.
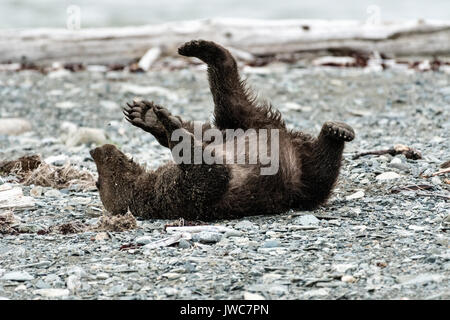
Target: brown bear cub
(306, 170)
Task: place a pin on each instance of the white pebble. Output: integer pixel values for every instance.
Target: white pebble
(356, 195)
(52, 293)
(348, 279)
(390, 175)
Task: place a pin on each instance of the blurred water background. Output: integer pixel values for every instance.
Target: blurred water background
(115, 13)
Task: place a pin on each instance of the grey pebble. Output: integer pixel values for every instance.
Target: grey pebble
(184, 244)
(400, 166)
(144, 240)
(17, 276)
(53, 193)
(245, 224)
(233, 233)
(40, 284)
(271, 244)
(306, 220)
(117, 289)
(206, 237)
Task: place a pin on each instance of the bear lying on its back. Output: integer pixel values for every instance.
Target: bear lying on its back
(301, 173)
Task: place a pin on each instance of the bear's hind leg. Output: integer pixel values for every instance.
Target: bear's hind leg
(322, 162)
(235, 105)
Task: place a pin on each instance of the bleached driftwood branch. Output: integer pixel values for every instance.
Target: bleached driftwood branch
(257, 37)
(13, 198)
(194, 229)
(175, 238)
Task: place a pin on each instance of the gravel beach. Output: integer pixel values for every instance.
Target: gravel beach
(371, 241)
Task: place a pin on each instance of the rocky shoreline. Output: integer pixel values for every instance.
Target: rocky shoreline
(375, 239)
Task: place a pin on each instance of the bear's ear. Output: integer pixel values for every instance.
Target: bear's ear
(95, 154)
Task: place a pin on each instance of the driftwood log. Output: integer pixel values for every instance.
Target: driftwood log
(250, 37)
(13, 198)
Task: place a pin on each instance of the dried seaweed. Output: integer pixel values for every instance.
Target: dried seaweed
(7, 219)
(22, 165)
(441, 172)
(408, 152)
(69, 228)
(412, 188)
(116, 223)
(182, 223)
(47, 175)
(32, 170)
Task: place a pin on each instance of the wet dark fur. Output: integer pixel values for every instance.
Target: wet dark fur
(308, 168)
